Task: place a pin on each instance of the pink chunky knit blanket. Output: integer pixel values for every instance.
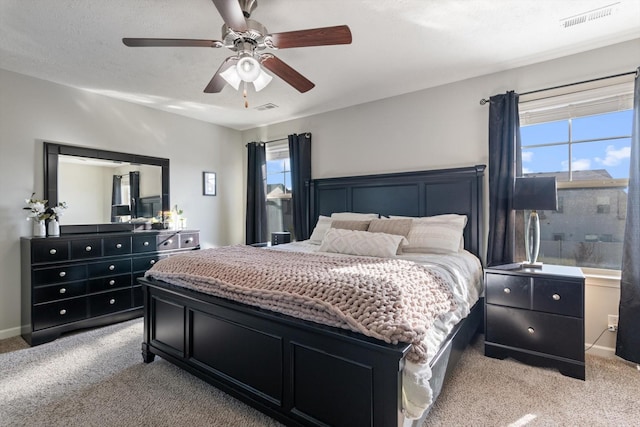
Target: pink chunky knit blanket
(388, 299)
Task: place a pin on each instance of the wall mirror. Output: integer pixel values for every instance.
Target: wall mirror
(104, 187)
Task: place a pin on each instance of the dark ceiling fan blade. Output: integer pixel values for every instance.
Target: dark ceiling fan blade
(134, 42)
(286, 73)
(217, 82)
(340, 34)
(231, 14)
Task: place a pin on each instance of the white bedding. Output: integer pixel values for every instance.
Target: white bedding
(464, 272)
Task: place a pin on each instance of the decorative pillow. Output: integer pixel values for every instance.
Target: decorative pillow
(442, 234)
(400, 227)
(350, 225)
(355, 242)
(353, 216)
(323, 224)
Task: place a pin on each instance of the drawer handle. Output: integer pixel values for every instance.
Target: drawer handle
(507, 290)
(186, 242)
(145, 244)
(531, 330)
(53, 251)
(118, 245)
(63, 312)
(112, 282)
(556, 297)
(88, 249)
(153, 261)
(112, 267)
(112, 301)
(168, 242)
(63, 290)
(62, 273)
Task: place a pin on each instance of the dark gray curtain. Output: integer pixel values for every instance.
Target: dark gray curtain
(256, 221)
(134, 192)
(628, 339)
(505, 163)
(300, 157)
(116, 195)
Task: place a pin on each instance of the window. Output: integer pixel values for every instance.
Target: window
(588, 151)
(278, 176)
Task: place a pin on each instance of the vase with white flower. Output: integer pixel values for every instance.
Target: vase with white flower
(53, 228)
(37, 214)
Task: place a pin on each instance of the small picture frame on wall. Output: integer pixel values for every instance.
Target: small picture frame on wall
(209, 183)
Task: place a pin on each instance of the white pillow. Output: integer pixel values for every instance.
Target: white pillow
(323, 224)
(440, 234)
(355, 242)
(353, 216)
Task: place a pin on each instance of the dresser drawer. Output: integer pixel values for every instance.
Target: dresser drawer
(57, 292)
(58, 313)
(120, 245)
(144, 243)
(168, 241)
(109, 268)
(145, 263)
(69, 273)
(189, 240)
(512, 291)
(86, 248)
(111, 282)
(556, 296)
(50, 250)
(109, 302)
(540, 332)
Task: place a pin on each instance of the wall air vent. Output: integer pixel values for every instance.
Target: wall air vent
(268, 106)
(601, 12)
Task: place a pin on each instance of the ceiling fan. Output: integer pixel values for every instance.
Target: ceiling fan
(249, 39)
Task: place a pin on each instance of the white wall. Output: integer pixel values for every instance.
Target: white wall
(33, 110)
(447, 127)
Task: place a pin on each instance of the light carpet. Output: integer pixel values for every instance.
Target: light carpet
(97, 378)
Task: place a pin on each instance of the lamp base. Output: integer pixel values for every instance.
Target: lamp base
(526, 264)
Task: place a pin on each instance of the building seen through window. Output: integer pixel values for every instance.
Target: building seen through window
(278, 177)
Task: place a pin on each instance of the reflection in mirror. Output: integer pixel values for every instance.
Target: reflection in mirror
(103, 191)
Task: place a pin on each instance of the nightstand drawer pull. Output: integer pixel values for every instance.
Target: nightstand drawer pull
(507, 290)
(119, 246)
(556, 297)
(63, 312)
(53, 252)
(88, 249)
(531, 330)
(63, 290)
(62, 274)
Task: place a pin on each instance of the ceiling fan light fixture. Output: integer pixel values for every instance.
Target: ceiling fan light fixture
(262, 81)
(231, 76)
(248, 68)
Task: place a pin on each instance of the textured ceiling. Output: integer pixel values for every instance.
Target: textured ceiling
(399, 46)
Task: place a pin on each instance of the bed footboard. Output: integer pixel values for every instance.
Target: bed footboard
(295, 371)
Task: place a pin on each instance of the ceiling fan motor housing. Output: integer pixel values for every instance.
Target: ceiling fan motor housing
(255, 34)
(248, 6)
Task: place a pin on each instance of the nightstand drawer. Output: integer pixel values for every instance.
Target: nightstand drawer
(560, 297)
(512, 291)
(540, 332)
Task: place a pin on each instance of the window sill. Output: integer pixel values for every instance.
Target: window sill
(602, 277)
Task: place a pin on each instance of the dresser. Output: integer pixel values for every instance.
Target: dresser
(85, 280)
(536, 315)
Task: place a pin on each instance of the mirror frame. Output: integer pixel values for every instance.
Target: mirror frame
(51, 152)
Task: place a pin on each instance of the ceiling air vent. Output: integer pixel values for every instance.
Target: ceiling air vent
(601, 12)
(268, 106)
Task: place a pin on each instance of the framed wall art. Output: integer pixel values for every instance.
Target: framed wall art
(209, 183)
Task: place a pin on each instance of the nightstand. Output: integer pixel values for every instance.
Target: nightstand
(536, 315)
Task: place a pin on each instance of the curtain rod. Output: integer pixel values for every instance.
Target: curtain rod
(484, 101)
(267, 142)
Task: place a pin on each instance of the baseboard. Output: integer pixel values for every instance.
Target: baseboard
(601, 351)
(9, 333)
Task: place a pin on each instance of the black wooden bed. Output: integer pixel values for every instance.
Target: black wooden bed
(303, 373)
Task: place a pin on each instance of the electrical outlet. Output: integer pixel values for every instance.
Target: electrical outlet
(612, 322)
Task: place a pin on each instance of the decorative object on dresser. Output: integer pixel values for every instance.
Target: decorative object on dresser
(536, 315)
(537, 193)
(89, 279)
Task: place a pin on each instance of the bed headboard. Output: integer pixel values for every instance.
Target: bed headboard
(423, 193)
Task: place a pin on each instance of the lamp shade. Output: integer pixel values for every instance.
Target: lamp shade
(540, 193)
(248, 68)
